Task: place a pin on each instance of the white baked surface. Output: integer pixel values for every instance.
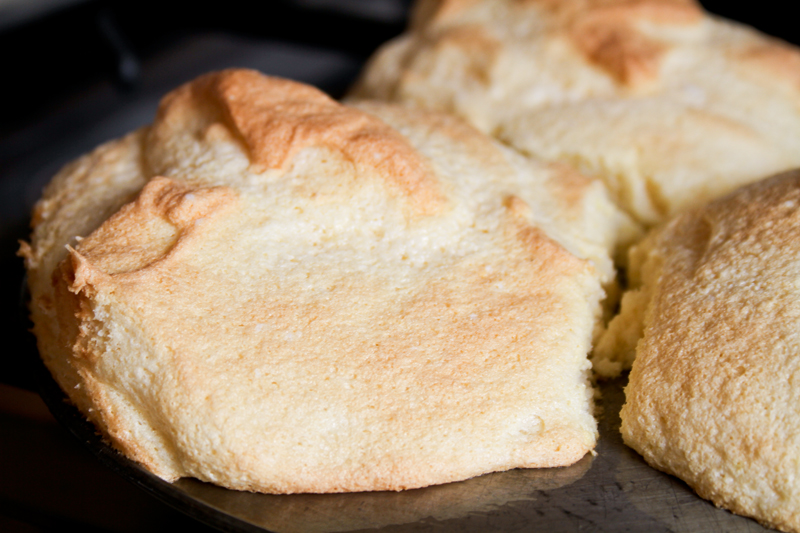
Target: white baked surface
(713, 396)
(273, 292)
(670, 106)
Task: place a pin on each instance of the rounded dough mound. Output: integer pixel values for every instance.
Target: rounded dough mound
(670, 106)
(274, 292)
(714, 395)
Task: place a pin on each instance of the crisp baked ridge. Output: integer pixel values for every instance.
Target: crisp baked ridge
(572, 208)
(713, 395)
(670, 106)
(273, 292)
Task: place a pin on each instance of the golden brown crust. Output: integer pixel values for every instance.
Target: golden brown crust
(542, 249)
(712, 396)
(437, 11)
(569, 185)
(606, 32)
(478, 47)
(630, 57)
(670, 106)
(276, 118)
(146, 230)
(283, 323)
(777, 59)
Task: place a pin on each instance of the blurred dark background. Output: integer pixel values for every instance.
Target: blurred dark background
(49, 54)
(52, 49)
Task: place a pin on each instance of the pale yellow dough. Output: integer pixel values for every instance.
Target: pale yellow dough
(273, 292)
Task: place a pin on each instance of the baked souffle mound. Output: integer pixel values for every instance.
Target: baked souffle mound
(274, 292)
(713, 396)
(670, 106)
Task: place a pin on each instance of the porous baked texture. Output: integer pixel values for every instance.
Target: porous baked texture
(274, 292)
(713, 396)
(669, 105)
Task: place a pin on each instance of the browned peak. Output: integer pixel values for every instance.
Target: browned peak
(538, 244)
(605, 31)
(276, 118)
(568, 185)
(437, 11)
(145, 230)
(478, 47)
(666, 11)
(660, 11)
(631, 58)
